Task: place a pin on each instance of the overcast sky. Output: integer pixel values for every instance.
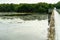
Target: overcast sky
(28, 1)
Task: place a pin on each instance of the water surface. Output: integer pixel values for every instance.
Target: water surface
(14, 28)
(57, 25)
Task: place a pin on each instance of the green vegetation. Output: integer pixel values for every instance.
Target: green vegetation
(28, 8)
(57, 5)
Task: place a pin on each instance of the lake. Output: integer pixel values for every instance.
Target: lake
(29, 27)
(57, 24)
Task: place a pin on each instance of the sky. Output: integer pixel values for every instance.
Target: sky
(28, 1)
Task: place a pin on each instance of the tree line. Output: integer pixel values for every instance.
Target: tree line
(37, 8)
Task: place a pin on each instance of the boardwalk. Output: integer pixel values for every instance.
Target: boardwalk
(51, 32)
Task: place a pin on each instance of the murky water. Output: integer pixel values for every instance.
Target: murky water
(18, 29)
(57, 25)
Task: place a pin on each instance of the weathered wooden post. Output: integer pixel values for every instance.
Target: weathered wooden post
(51, 30)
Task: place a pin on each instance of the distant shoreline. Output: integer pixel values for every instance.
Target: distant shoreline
(17, 14)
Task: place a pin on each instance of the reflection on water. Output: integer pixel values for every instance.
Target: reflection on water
(18, 29)
(28, 17)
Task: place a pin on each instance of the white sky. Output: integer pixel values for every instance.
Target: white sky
(28, 1)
